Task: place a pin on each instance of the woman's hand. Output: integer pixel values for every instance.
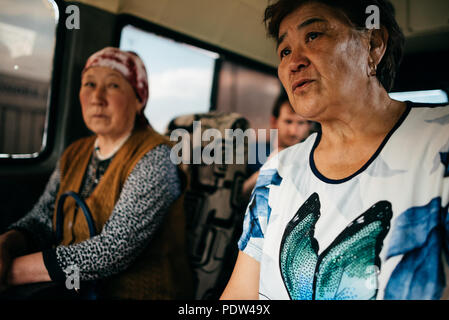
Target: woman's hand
(12, 244)
(5, 261)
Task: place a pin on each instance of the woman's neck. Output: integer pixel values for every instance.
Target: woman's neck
(347, 143)
(107, 146)
(364, 120)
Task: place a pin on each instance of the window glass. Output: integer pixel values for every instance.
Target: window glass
(428, 96)
(249, 92)
(27, 42)
(180, 75)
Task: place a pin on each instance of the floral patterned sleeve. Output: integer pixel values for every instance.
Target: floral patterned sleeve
(37, 224)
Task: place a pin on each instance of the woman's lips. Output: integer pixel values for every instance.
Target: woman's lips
(301, 85)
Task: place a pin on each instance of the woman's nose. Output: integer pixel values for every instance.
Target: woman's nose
(293, 130)
(99, 96)
(298, 61)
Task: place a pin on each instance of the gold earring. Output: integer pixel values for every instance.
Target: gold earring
(373, 68)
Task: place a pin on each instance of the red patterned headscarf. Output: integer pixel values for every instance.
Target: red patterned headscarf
(128, 64)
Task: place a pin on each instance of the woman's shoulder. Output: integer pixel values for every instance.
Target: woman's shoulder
(424, 133)
(157, 157)
(430, 113)
(428, 119)
(159, 152)
(80, 143)
(156, 166)
(76, 149)
(296, 155)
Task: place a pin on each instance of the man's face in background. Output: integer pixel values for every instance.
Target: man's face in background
(292, 128)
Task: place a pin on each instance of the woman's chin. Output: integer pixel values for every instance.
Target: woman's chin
(100, 130)
(307, 110)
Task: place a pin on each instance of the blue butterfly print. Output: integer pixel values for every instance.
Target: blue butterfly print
(346, 269)
(258, 207)
(420, 235)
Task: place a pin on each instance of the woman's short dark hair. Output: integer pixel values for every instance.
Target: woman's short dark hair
(355, 11)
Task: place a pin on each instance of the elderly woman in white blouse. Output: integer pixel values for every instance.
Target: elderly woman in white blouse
(360, 210)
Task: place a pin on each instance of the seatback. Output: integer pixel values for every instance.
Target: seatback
(213, 204)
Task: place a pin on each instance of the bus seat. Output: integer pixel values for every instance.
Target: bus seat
(214, 207)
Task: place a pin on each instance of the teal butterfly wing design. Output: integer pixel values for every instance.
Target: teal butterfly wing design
(347, 269)
(299, 250)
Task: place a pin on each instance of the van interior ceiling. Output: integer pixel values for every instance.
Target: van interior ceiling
(43, 50)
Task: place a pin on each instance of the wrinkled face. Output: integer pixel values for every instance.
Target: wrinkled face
(108, 101)
(292, 128)
(323, 61)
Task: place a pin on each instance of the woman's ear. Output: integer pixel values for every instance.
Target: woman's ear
(378, 45)
(139, 106)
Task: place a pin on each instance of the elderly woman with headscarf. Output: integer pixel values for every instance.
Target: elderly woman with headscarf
(359, 210)
(124, 175)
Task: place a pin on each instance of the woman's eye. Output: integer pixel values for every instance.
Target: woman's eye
(113, 85)
(312, 36)
(89, 84)
(284, 52)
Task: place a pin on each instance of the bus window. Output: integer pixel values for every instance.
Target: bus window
(249, 92)
(27, 43)
(180, 75)
(427, 96)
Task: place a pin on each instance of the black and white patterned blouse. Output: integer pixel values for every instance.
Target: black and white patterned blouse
(150, 189)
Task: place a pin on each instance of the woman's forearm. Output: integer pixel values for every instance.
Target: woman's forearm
(16, 242)
(28, 269)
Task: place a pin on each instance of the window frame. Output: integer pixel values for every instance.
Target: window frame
(127, 19)
(49, 134)
(431, 103)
